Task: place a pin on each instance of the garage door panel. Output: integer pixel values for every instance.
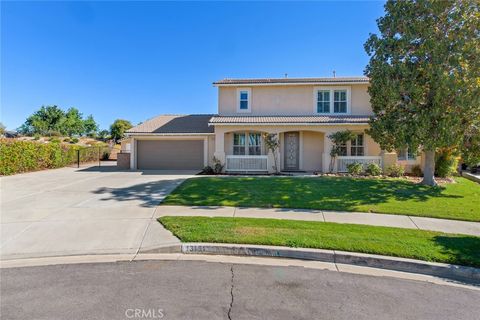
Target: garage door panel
(170, 154)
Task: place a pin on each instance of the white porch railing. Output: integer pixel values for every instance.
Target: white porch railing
(343, 162)
(247, 163)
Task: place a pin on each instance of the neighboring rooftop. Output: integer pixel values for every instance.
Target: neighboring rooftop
(175, 124)
(289, 119)
(297, 81)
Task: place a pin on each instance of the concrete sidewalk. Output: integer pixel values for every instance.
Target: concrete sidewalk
(374, 219)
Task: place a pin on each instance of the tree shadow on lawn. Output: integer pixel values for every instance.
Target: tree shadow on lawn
(465, 250)
(325, 193)
(148, 194)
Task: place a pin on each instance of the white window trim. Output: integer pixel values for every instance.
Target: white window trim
(249, 91)
(332, 89)
(247, 143)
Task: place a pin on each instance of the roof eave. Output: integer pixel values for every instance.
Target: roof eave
(289, 84)
(285, 123)
(128, 134)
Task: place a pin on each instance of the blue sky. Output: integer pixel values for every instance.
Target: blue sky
(135, 60)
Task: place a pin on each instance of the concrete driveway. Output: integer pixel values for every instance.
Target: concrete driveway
(84, 211)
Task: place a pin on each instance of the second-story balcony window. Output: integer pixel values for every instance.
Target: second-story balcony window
(340, 101)
(331, 100)
(323, 101)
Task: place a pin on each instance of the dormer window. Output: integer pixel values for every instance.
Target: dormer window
(244, 99)
(332, 100)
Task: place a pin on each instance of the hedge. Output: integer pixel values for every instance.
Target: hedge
(22, 156)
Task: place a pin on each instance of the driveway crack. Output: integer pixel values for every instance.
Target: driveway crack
(229, 315)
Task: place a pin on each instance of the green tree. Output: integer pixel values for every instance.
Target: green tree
(43, 121)
(424, 76)
(2, 128)
(118, 128)
(72, 124)
(339, 140)
(90, 126)
(272, 142)
(103, 135)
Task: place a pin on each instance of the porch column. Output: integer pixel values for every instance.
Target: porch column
(219, 145)
(327, 146)
(133, 153)
(388, 158)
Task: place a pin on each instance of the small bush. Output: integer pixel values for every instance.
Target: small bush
(105, 155)
(67, 139)
(208, 170)
(54, 133)
(217, 166)
(417, 171)
(395, 170)
(74, 140)
(373, 169)
(36, 136)
(54, 140)
(445, 164)
(355, 168)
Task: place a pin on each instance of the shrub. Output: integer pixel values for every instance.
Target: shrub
(105, 154)
(23, 156)
(208, 170)
(373, 169)
(217, 166)
(54, 140)
(54, 133)
(36, 136)
(355, 168)
(67, 139)
(446, 163)
(74, 140)
(395, 170)
(417, 171)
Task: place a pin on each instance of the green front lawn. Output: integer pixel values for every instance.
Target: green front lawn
(459, 200)
(407, 243)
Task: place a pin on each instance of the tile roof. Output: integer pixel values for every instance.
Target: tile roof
(171, 124)
(289, 119)
(292, 80)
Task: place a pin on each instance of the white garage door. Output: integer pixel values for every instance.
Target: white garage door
(170, 154)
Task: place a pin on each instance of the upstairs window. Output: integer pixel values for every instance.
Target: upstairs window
(331, 100)
(356, 146)
(244, 99)
(323, 101)
(340, 101)
(239, 144)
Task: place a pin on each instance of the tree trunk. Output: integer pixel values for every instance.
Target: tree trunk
(429, 170)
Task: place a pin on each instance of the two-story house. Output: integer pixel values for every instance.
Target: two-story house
(301, 111)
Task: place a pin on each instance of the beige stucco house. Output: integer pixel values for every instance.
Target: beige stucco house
(302, 111)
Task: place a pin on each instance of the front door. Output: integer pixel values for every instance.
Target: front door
(291, 158)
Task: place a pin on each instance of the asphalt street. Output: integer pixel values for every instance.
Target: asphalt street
(208, 290)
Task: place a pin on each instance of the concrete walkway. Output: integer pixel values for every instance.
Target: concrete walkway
(374, 219)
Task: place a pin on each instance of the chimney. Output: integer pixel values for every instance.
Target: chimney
(286, 75)
(334, 73)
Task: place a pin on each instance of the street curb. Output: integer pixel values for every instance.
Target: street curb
(442, 270)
